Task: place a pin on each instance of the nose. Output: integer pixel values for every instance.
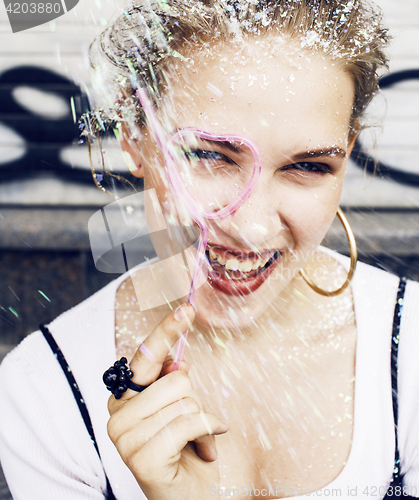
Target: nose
(257, 220)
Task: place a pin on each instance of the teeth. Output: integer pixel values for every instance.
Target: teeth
(221, 260)
(244, 266)
(214, 256)
(232, 265)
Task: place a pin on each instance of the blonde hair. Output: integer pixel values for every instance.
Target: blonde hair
(149, 35)
(144, 39)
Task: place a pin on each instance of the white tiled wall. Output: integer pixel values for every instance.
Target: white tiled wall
(62, 45)
(397, 138)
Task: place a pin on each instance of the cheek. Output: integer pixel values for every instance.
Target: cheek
(155, 176)
(174, 212)
(311, 214)
(153, 180)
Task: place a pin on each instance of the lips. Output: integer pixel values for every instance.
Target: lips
(238, 273)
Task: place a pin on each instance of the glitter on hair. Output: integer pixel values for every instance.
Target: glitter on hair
(149, 35)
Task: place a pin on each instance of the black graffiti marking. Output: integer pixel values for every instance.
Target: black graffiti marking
(365, 161)
(45, 138)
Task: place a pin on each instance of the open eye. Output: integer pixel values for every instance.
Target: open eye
(305, 166)
(203, 154)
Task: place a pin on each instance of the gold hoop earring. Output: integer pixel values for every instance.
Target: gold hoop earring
(354, 256)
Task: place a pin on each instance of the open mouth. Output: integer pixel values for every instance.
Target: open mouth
(237, 273)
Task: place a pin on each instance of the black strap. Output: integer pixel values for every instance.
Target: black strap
(397, 476)
(77, 396)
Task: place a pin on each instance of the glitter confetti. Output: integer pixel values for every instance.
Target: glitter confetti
(276, 359)
(43, 295)
(13, 311)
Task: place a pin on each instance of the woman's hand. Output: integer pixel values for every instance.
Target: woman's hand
(163, 434)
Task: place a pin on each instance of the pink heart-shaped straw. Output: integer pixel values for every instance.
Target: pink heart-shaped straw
(195, 211)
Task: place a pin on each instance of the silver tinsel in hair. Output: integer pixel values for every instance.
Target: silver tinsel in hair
(138, 48)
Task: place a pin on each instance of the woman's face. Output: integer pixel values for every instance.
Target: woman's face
(296, 107)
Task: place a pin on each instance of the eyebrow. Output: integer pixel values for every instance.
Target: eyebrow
(305, 155)
(319, 153)
(225, 144)
(232, 146)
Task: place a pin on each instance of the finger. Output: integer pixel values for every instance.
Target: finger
(168, 366)
(138, 434)
(140, 412)
(147, 362)
(115, 404)
(165, 447)
(206, 448)
(163, 392)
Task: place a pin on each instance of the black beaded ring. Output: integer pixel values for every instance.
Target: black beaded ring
(118, 379)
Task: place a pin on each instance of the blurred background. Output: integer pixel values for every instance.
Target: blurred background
(47, 194)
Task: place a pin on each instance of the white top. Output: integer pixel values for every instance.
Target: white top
(47, 454)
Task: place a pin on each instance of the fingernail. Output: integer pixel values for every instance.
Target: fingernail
(180, 312)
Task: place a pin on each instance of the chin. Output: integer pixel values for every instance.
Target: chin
(218, 310)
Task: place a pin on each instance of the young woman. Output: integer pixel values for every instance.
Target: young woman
(287, 387)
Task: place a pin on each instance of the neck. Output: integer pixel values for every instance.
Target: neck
(295, 307)
(298, 314)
